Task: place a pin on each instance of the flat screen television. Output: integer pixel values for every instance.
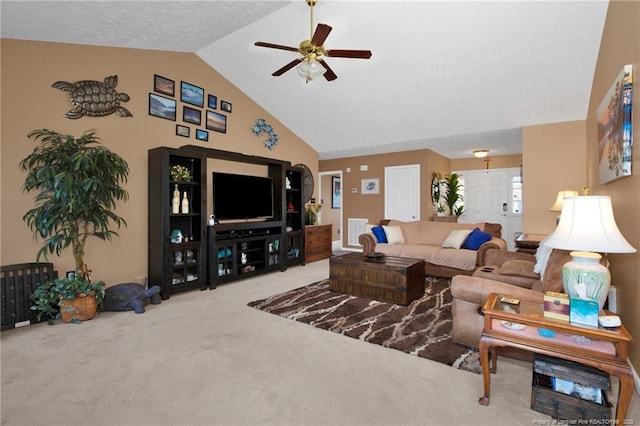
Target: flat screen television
(238, 197)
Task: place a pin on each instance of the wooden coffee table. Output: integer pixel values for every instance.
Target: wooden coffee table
(603, 348)
(389, 278)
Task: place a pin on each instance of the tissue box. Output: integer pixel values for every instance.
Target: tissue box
(556, 306)
(584, 311)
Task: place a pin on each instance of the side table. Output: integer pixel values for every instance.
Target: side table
(602, 348)
(528, 243)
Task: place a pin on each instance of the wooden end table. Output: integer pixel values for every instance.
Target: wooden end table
(529, 243)
(603, 348)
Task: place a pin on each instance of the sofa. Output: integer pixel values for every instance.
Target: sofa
(521, 275)
(440, 244)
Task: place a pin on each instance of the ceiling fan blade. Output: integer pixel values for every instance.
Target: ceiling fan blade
(329, 74)
(287, 67)
(342, 53)
(276, 46)
(321, 34)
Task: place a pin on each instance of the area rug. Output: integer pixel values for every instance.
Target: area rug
(422, 328)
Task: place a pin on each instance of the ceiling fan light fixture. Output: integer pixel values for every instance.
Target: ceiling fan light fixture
(480, 153)
(310, 68)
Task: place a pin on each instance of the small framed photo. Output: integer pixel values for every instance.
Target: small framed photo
(191, 115)
(191, 94)
(164, 85)
(202, 135)
(216, 122)
(212, 102)
(162, 107)
(370, 186)
(336, 189)
(183, 131)
(225, 106)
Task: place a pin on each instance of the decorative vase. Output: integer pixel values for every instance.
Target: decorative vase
(585, 278)
(81, 308)
(310, 216)
(175, 202)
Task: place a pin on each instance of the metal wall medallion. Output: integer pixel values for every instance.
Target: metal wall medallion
(94, 98)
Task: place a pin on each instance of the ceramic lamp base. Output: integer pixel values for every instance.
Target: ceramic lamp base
(584, 277)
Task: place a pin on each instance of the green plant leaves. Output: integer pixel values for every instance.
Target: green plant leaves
(78, 183)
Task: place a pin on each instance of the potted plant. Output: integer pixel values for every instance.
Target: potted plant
(453, 194)
(78, 183)
(72, 298)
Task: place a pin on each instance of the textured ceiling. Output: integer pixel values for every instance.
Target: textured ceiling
(451, 76)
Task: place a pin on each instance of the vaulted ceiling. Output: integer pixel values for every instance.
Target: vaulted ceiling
(451, 76)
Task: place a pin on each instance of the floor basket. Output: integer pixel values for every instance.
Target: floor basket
(81, 308)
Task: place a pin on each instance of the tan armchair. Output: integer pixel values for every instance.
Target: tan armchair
(504, 272)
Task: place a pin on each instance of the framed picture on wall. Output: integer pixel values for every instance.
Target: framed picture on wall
(164, 85)
(225, 106)
(191, 94)
(202, 135)
(191, 115)
(183, 131)
(370, 186)
(216, 122)
(615, 132)
(162, 107)
(212, 102)
(336, 191)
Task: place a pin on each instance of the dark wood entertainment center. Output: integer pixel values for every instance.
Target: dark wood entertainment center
(223, 252)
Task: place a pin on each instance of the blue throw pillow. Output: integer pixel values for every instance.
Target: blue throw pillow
(475, 239)
(378, 231)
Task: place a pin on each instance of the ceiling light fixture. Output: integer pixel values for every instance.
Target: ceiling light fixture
(310, 68)
(480, 153)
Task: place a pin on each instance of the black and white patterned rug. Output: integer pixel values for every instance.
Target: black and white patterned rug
(422, 328)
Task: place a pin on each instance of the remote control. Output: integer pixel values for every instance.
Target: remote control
(509, 300)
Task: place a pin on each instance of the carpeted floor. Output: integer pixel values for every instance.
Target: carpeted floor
(422, 328)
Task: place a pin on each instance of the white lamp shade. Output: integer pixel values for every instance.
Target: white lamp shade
(587, 224)
(557, 206)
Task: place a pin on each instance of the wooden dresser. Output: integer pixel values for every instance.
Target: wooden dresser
(317, 242)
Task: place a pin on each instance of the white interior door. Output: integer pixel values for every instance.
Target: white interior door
(487, 198)
(402, 192)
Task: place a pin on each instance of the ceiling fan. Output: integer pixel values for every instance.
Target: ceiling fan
(311, 63)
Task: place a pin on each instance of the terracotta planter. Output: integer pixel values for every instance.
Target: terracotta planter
(82, 308)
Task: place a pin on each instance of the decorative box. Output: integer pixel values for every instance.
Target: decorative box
(556, 306)
(584, 312)
(553, 378)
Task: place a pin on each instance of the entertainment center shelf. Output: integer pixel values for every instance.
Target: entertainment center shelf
(206, 255)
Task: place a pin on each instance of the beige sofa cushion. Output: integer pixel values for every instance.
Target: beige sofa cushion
(429, 232)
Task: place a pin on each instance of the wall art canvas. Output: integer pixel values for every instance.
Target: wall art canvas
(615, 129)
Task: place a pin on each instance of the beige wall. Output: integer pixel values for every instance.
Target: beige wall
(620, 46)
(29, 102)
(554, 159)
(371, 207)
(499, 162)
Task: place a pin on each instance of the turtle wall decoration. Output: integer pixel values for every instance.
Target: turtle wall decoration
(94, 98)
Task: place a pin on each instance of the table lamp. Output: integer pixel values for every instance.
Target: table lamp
(588, 227)
(557, 206)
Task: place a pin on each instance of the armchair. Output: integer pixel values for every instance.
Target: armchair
(505, 272)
